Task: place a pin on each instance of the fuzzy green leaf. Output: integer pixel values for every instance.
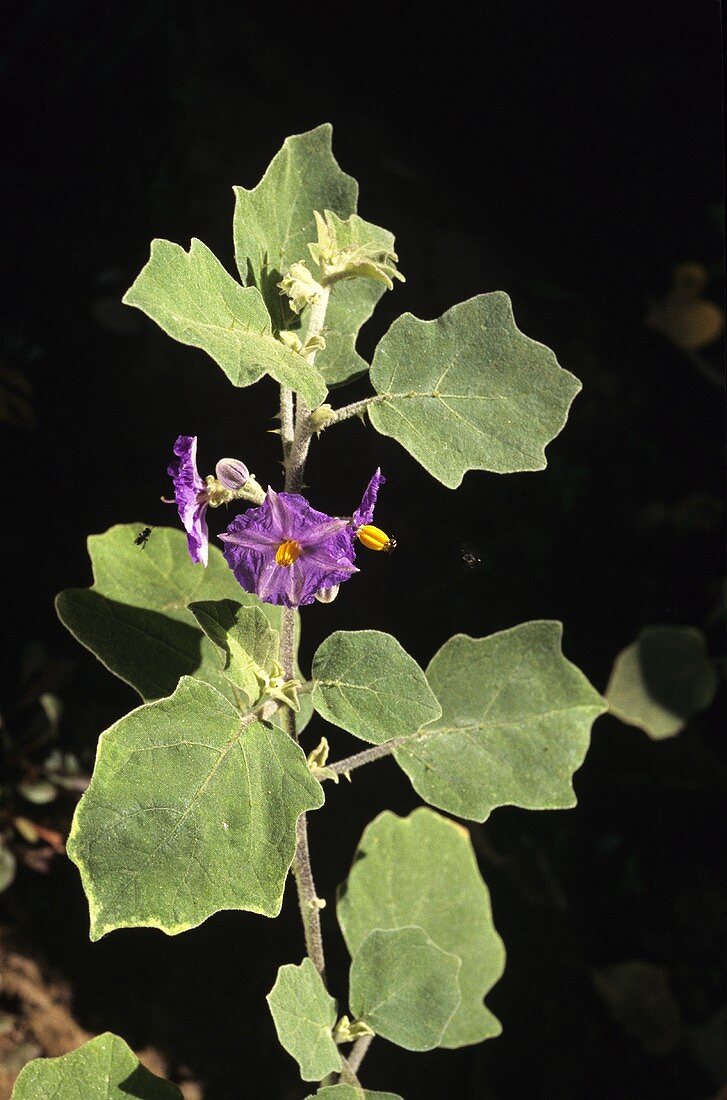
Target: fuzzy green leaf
(105, 1068)
(422, 870)
(136, 620)
(404, 987)
(250, 645)
(274, 224)
(661, 680)
(367, 684)
(515, 724)
(249, 642)
(304, 1014)
(191, 809)
(193, 299)
(469, 391)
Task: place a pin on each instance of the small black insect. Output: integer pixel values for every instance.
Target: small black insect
(143, 537)
(470, 555)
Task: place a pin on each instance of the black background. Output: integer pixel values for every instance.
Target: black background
(569, 154)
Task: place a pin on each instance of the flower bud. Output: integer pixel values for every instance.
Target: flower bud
(232, 473)
(327, 595)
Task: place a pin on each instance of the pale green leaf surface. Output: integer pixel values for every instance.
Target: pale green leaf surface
(349, 1092)
(136, 620)
(421, 870)
(194, 300)
(404, 987)
(250, 645)
(515, 724)
(469, 391)
(275, 223)
(304, 1014)
(104, 1068)
(244, 633)
(367, 684)
(191, 809)
(661, 680)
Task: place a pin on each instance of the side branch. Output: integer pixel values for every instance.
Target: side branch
(343, 767)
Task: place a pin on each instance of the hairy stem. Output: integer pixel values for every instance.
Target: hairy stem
(348, 1074)
(359, 1051)
(343, 767)
(356, 408)
(295, 461)
(286, 421)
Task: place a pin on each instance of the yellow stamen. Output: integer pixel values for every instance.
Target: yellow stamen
(374, 538)
(287, 552)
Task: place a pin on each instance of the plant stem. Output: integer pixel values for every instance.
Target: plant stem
(356, 408)
(295, 460)
(359, 1051)
(342, 767)
(286, 421)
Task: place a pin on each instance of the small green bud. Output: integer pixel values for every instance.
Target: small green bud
(320, 418)
(300, 285)
(348, 1031)
(349, 261)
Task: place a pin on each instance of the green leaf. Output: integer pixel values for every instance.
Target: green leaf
(349, 1092)
(274, 224)
(515, 725)
(305, 1014)
(191, 809)
(367, 684)
(422, 870)
(661, 680)
(469, 391)
(404, 987)
(250, 645)
(248, 640)
(195, 301)
(135, 618)
(105, 1068)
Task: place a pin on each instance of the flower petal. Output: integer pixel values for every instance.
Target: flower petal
(187, 488)
(365, 511)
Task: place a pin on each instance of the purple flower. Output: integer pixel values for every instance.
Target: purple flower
(190, 495)
(285, 550)
(365, 511)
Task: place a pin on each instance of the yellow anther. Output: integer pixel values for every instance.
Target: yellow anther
(374, 538)
(287, 552)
